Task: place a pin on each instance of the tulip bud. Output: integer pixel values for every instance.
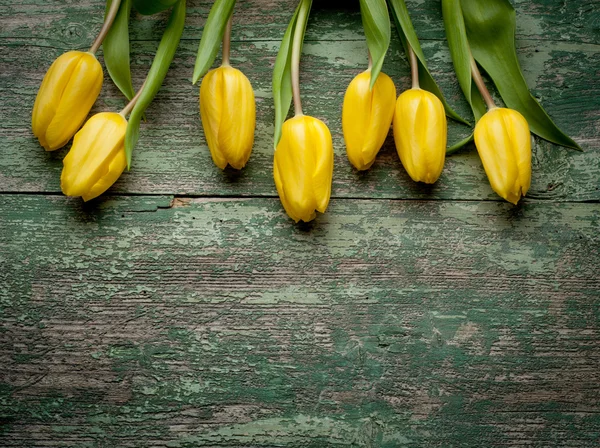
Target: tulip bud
(303, 167)
(97, 157)
(366, 117)
(228, 114)
(503, 141)
(420, 134)
(68, 92)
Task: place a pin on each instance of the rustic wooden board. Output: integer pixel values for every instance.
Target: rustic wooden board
(561, 65)
(187, 310)
(158, 321)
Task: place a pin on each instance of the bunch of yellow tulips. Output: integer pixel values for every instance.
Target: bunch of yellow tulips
(68, 91)
(419, 124)
(303, 157)
(502, 135)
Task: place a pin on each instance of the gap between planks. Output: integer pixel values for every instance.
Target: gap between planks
(190, 196)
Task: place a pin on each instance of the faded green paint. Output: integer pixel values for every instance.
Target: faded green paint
(385, 323)
(157, 318)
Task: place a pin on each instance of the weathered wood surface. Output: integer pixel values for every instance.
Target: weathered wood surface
(561, 72)
(214, 322)
(185, 309)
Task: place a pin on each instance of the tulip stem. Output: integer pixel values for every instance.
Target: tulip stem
(108, 21)
(485, 93)
(414, 67)
(127, 109)
(370, 61)
(296, 50)
(227, 42)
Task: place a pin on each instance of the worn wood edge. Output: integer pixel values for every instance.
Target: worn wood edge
(334, 20)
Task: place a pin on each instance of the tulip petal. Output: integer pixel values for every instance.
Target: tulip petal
(296, 164)
(238, 117)
(497, 157)
(281, 192)
(320, 138)
(404, 132)
(503, 142)
(115, 169)
(51, 90)
(356, 116)
(303, 167)
(383, 103)
(79, 96)
(211, 106)
(366, 117)
(521, 144)
(94, 148)
(434, 144)
(420, 134)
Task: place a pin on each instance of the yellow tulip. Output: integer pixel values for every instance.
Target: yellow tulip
(303, 167)
(503, 141)
(420, 134)
(366, 117)
(68, 92)
(228, 114)
(97, 157)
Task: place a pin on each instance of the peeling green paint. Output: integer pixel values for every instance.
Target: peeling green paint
(189, 311)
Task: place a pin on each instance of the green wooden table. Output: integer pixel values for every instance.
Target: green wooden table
(185, 309)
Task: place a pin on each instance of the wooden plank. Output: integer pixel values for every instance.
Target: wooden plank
(78, 22)
(161, 321)
(173, 158)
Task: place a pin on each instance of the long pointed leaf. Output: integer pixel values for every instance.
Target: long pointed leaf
(408, 36)
(116, 50)
(376, 23)
(461, 55)
(490, 28)
(458, 145)
(282, 73)
(156, 75)
(212, 35)
(149, 7)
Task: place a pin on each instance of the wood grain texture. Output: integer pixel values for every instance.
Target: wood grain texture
(172, 156)
(186, 310)
(214, 322)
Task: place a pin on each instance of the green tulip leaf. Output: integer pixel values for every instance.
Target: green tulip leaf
(212, 35)
(282, 72)
(149, 7)
(490, 28)
(376, 23)
(458, 145)
(460, 52)
(156, 75)
(116, 50)
(408, 36)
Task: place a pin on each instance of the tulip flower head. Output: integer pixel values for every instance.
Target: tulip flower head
(228, 113)
(97, 157)
(366, 117)
(68, 92)
(303, 162)
(227, 106)
(503, 142)
(303, 167)
(420, 134)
